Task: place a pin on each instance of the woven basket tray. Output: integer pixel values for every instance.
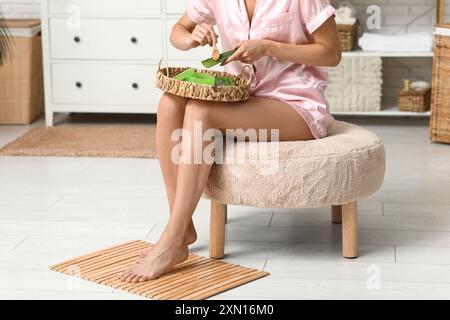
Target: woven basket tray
(241, 92)
(347, 35)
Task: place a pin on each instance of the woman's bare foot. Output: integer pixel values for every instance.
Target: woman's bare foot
(191, 238)
(159, 260)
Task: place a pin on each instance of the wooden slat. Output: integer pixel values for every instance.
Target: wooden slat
(98, 260)
(215, 276)
(196, 278)
(187, 265)
(168, 283)
(90, 255)
(171, 288)
(134, 288)
(227, 286)
(108, 261)
(104, 273)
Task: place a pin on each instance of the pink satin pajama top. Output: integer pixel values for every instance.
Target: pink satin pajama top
(287, 21)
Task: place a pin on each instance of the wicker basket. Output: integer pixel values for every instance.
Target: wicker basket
(241, 92)
(347, 35)
(413, 100)
(440, 102)
(21, 76)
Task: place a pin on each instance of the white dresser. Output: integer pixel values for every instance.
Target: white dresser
(101, 56)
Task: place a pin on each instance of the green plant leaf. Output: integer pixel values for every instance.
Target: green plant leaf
(185, 74)
(209, 63)
(5, 40)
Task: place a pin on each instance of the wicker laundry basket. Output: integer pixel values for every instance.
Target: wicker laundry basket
(414, 100)
(440, 101)
(240, 92)
(21, 77)
(347, 35)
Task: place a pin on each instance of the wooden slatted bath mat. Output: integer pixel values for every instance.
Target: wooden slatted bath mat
(195, 279)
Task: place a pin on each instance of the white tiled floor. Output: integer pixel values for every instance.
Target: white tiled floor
(52, 209)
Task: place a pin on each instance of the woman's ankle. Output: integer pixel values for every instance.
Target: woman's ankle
(175, 234)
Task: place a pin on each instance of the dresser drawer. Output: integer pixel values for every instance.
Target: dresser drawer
(128, 39)
(103, 7)
(104, 84)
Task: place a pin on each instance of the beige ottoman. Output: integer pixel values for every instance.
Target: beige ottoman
(337, 171)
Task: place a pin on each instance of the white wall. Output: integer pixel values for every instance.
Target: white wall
(21, 9)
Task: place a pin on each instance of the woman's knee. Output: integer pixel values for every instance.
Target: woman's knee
(197, 110)
(171, 107)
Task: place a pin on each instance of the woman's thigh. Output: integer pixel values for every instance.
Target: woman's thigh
(256, 113)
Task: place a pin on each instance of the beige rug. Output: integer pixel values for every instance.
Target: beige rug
(85, 141)
(195, 279)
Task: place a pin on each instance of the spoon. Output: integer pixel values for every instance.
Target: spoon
(215, 53)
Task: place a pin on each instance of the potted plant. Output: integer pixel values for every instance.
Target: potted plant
(5, 44)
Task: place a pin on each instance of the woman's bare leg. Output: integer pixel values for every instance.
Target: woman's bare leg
(256, 113)
(171, 112)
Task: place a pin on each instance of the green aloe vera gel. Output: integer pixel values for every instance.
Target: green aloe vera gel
(185, 74)
(190, 75)
(209, 63)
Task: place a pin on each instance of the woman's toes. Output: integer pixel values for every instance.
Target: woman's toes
(130, 277)
(143, 279)
(124, 275)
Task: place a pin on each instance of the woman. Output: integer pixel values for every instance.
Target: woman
(287, 42)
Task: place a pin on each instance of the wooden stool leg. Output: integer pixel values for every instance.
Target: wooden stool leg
(226, 215)
(336, 214)
(350, 230)
(217, 233)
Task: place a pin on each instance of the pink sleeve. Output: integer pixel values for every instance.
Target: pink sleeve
(314, 13)
(201, 11)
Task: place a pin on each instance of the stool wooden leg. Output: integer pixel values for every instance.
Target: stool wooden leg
(336, 214)
(217, 233)
(350, 230)
(226, 215)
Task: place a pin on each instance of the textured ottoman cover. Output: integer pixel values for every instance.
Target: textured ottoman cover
(346, 166)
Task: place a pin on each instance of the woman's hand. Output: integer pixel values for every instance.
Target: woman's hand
(202, 35)
(248, 51)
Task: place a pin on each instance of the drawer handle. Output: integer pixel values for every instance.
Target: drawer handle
(135, 85)
(77, 39)
(79, 85)
(134, 40)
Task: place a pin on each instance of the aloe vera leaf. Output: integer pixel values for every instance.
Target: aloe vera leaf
(201, 79)
(224, 82)
(183, 75)
(209, 63)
